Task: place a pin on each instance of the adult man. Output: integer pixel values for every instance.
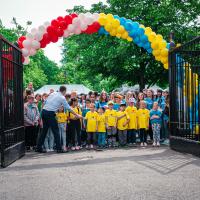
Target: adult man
(52, 104)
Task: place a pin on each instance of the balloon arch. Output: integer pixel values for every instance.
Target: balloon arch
(88, 23)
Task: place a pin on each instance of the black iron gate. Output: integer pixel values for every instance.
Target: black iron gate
(11, 103)
(184, 73)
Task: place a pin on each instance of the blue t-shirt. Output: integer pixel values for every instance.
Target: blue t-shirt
(149, 103)
(161, 102)
(116, 106)
(157, 113)
(100, 104)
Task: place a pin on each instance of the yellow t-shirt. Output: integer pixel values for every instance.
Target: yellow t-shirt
(111, 117)
(132, 112)
(123, 120)
(61, 117)
(76, 110)
(101, 123)
(143, 118)
(91, 118)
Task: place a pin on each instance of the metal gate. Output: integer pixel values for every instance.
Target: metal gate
(184, 75)
(11, 103)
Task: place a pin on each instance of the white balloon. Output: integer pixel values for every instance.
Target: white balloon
(32, 52)
(27, 43)
(42, 29)
(71, 28)
(89, 20)
(66, 34)
(26, 60)
(29, 36)
(39, 36)
(33, 31)
(88, 14)
(25, 52)
(96, 16)
(75, 20)
(35, 44)
(77, 31)
(46, 24)
(81, 16)
(83, 27)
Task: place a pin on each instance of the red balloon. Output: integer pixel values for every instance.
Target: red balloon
(63, 25)
(60, 32)
(50, 29)
(42, 44)
(46, 38)
(60, 18)
(55, 23)
(97, 26)
(73, 15)
(22, 38)
(20, 44)
(54, 38)
(68, 19)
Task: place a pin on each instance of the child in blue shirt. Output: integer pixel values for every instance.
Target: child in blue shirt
(156, 121)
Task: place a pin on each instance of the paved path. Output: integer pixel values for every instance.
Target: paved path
(123, 174)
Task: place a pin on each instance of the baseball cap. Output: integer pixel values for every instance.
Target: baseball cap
(110, 102)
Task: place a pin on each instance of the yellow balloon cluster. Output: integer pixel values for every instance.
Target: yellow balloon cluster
(158, 44)
(113, 26)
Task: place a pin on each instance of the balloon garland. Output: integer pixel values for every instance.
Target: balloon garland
(88, 23)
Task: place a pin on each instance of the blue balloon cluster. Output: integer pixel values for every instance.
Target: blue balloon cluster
(102, 31)
(135, 32)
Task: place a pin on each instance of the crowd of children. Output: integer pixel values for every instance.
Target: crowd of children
(114, 120)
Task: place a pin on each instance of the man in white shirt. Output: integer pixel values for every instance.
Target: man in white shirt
(52, 104)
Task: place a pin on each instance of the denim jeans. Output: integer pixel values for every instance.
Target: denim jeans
(49, 140)
(101, 139)
(62, 132)
(122, 134)
(131, 136)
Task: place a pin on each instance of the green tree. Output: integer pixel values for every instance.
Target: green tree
(122, 61)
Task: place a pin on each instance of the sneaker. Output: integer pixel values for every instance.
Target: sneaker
(154, 144)
(158, 144)
(87, 147)
(73, 148)
(47, 150)
(77, 148)
(91, 146)
(141, 144)
(145, 144)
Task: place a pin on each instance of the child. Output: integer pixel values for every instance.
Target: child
(155, 119)
(85, 109)
(75, 125)
(91, 118)
(101, 128)
(62, 120)
(143, 122)
(122, 124)
(132, 125)
(111, 121)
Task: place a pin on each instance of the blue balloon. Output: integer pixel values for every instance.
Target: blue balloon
(135, 25)
(128, 26)
(147, 45)
(137, 40)
(149, 50)
(102, 31)
(140, 44)
(122, 21)
(144, 38)
(116, 17)
(140, 31)
(133, 33)
(129, 20)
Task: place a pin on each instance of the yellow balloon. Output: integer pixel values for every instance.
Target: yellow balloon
(164, 60)
(155, 45)
(102, 21)
(116, 23)
(130, 39)
(166, 66)
(109, 17)
(125, 35)
(102, 14)
(162, 44)
(159, 37)
(118, 35)
(108, 27)
(120, 29)
(178, 45)
(152, 36)
(156, 52)
(164, 52)
(148, 30)
(142, 26)
(113, 32)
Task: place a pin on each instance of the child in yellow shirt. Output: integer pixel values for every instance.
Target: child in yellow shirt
(132, 125)
(143, 122)
(101, 130)
(122, 124)
(61, 117)
(91, 117)
(111, 122)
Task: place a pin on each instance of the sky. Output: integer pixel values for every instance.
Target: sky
(40, 11)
